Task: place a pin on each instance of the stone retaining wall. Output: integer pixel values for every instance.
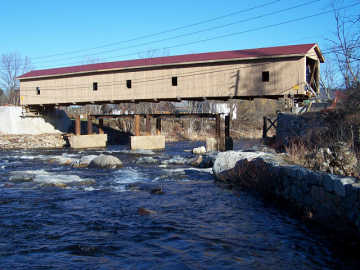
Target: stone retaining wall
(331, 200)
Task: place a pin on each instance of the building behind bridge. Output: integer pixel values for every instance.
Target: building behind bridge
(276, 72)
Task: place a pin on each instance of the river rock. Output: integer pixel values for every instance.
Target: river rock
(61, 160)
(149, 187)
(105, 162)
(143, 211)
(146, 160)
(199, 150)
(83, 162)
(175, 160)
(202, 161)
(18, 177)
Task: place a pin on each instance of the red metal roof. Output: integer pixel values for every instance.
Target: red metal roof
(188, 58)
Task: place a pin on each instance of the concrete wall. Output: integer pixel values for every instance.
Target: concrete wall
(224, 79)
(12, 122)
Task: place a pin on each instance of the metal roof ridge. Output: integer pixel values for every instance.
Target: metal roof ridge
(168, 60)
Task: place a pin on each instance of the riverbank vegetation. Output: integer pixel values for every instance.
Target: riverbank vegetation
(334, 146)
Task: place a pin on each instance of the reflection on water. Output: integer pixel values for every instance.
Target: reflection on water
(58, 217)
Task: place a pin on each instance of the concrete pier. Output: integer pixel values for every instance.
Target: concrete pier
(88, 141)
(147, 142)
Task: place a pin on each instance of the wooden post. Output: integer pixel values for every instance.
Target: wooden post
(217, 127)
(89, 125)
(137, 125)
(101, 126)
(77, 126)
(148, 125)
(229, 144)
(265, 127)
(218, 131)
(227, 125)
(158, 126)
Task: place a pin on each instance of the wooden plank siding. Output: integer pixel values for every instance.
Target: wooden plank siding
(211, 80)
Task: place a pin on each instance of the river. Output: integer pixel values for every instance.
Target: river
(82, 218)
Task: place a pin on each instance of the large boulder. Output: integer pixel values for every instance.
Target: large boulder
(227, 160)
(105, 162)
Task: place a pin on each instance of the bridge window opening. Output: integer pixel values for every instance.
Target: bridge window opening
(38, 90)
(128, 84)
(266, 76)
(174, 81)
(95, 86)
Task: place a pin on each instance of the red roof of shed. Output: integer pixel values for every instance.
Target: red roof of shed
(177, 59)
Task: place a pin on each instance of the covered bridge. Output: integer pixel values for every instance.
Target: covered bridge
(285, 71)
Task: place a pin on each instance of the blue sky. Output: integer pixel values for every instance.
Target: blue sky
(80, 32)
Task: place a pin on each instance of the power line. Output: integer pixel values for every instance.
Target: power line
(236, 33)
(254, 29)
(165, 31)
(191, 33)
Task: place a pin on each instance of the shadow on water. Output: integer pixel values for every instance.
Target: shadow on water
(115, 136)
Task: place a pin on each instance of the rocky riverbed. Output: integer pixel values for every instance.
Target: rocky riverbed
(42, 141)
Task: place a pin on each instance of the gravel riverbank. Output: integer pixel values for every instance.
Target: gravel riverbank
(41, 141)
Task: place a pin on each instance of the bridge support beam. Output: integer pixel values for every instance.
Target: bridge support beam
(89, 125)
(229, 144)
(101, 126)
(227, 125)
(218, 131)
(137, 125)
(158, 126)
(77, 125)
(148, 125)
(221, 142)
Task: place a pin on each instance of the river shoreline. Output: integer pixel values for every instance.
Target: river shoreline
(30, 141)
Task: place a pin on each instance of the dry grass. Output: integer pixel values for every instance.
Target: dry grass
(336, 126)
(298, 152)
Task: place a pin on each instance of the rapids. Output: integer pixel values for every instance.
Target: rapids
(59, 217)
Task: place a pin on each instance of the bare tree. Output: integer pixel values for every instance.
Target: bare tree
(328, 79)
(12, 65)
(346, 47)
(3, 98)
